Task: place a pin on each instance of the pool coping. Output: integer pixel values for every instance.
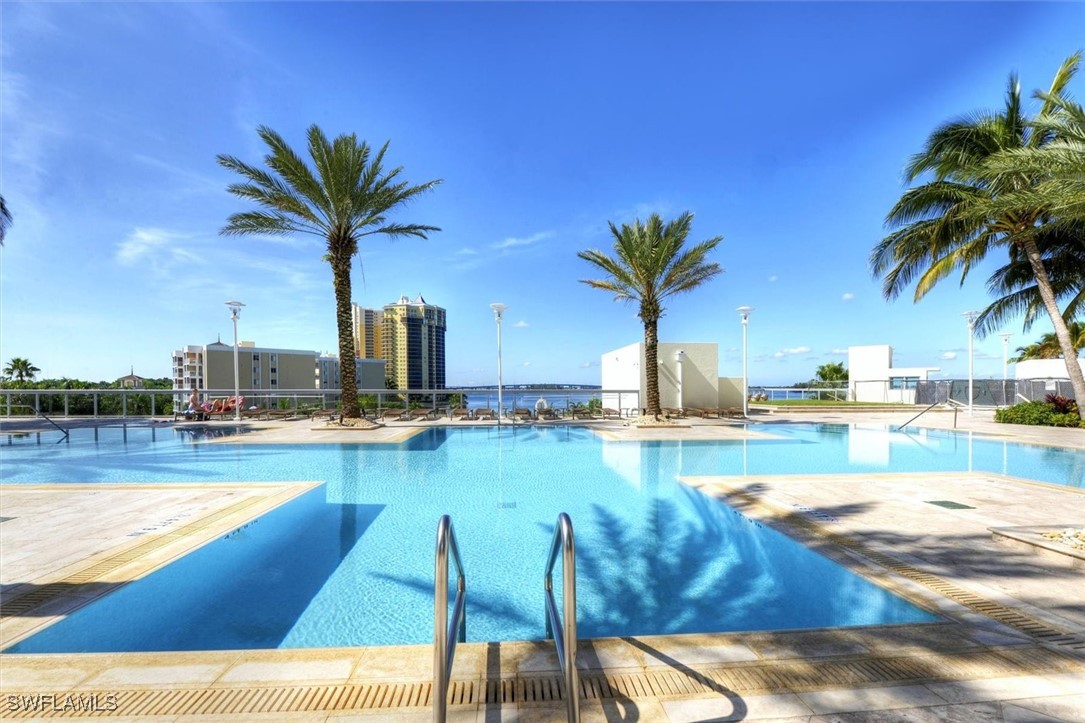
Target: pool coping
(967, 646)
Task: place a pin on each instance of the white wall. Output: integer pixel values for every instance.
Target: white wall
(870, 369)
(1043, 369)
(624, 369)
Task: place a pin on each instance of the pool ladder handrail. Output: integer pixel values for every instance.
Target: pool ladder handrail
(446, 633)
(563, 630)
(41, 415)
(919, 415)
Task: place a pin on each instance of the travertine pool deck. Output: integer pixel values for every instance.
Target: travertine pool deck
(1010, 645)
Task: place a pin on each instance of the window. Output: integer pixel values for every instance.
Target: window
(903, 382)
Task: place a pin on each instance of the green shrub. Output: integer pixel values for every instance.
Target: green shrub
(1036, 413)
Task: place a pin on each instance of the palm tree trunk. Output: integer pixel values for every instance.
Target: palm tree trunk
(1069, 353)
(345, 326)
(651, 366)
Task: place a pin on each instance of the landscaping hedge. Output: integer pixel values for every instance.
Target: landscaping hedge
(1038, 413)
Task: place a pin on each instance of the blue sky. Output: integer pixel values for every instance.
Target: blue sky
(782, 126)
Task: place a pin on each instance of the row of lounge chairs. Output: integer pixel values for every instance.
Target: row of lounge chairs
(703, 412)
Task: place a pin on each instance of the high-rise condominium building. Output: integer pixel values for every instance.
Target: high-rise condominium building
(368, 330)
(413, 344)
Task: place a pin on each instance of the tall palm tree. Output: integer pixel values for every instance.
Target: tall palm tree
(20, 370)
(5, 219)
(1048, 345)
(970, 208)
(649, 264)
(347, 198)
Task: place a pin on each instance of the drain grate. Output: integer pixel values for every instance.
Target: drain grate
(949, 504)
(743, 679)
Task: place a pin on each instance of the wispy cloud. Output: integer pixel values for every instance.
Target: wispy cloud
(589, 364)
(792, 351)
(513, 242)
(773, 278)
(838, 352)
(157, 249)
(948, 355)
(465, 251)
(521, 324)
(847, 296)
(527, 364)
(194, 182)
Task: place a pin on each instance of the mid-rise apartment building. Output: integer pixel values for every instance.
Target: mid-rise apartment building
(265, 370)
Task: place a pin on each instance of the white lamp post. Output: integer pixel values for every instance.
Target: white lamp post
(744, 311)
(235, 314)
(971, 316)
(679, 357)
(499, 309)
(1005, 364)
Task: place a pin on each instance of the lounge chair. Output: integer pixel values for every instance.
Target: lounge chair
(674, 413)
(461, 413)
(481, 414)
(609, 413)
(397, 414)
(523, 414)
(417, 414)
(548, 414)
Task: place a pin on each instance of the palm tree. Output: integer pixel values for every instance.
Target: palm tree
(969, 208)
(649, 264)
(1048, 345)
(5, 219)
(348, 197)
(832, 373)
(20, 370)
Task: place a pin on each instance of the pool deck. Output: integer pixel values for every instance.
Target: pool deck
(1010, 644)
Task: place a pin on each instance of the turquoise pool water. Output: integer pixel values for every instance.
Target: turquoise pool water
(351, 563)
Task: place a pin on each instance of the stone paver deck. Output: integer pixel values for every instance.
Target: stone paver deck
(1010, 645)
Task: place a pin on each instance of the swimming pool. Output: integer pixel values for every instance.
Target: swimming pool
(351, 563)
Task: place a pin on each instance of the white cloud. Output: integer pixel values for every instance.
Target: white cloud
(839, 352)
(527, 364)
(948, 355)
(847, 296)
(589, 365)
(466, 252)
(513, 242)
(792, 350)
(773, 278)
(156, 248)
(521, 324)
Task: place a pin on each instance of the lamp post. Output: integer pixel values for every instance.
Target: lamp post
(1005, 365)
(499, 309)
(971, 316)
(235, 314)
(744, 311)
(679, 357)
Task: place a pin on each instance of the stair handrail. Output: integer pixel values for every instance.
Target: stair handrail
(563, 629)
(446, 633)
(932, 406)
(38, 413)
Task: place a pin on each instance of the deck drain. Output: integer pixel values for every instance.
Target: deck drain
(949, 504)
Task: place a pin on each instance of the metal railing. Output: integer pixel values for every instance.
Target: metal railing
(47, 419)
(446, 633)
(932, 406)
(563, 629)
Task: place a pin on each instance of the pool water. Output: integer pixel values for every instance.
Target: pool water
(351, 562)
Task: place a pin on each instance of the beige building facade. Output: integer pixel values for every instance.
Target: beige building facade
(368, 332)
(413, 344)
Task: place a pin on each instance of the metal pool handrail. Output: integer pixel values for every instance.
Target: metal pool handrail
(918, 416)
(39, 413)
(446, 633)
(563, 630)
